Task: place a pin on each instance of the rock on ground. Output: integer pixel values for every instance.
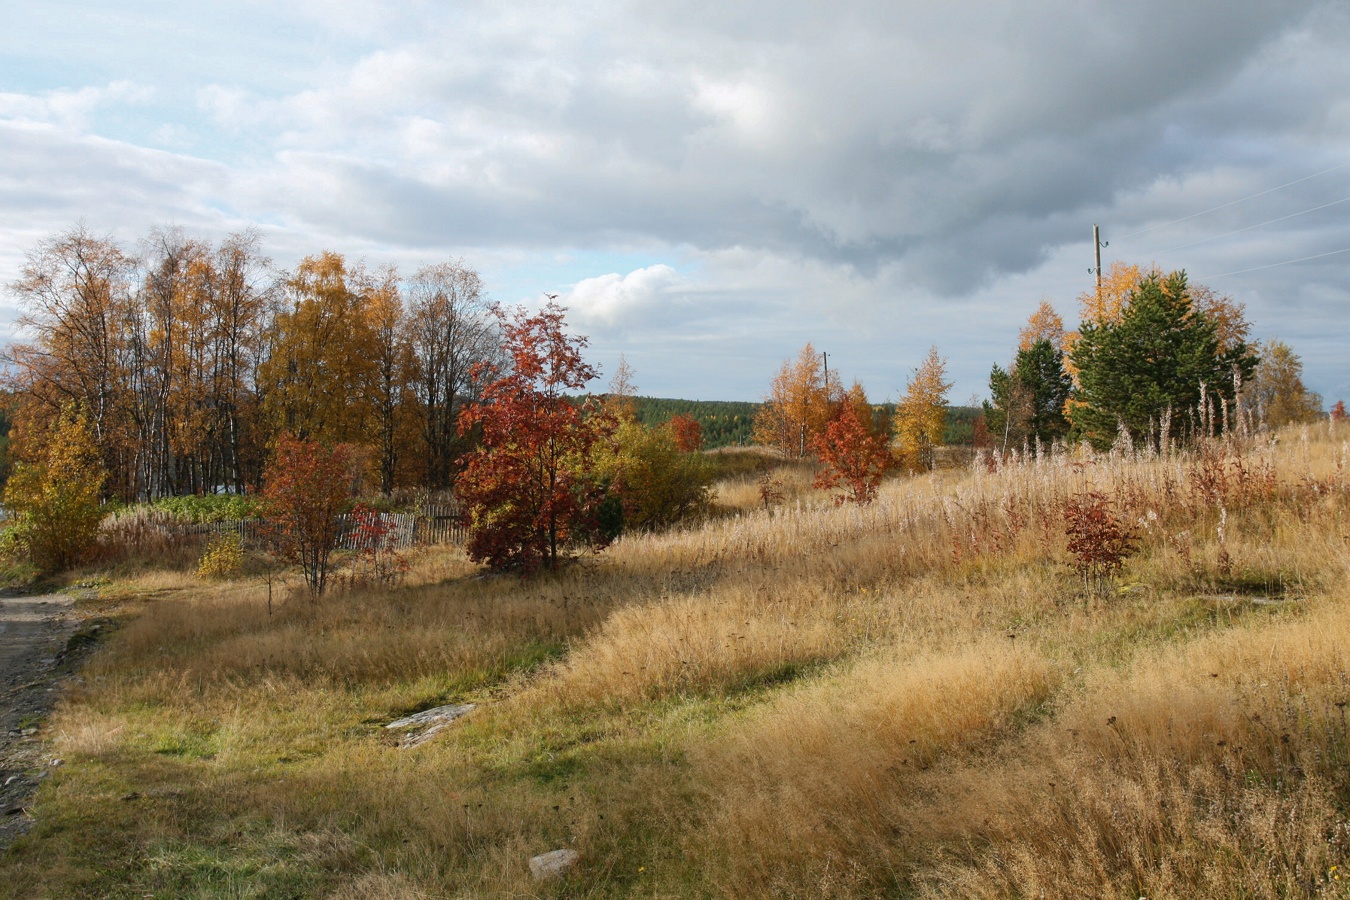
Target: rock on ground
(553, 864)
(437, 718)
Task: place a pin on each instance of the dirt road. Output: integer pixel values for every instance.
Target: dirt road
(34, 632)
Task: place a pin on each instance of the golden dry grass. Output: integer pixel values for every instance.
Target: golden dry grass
(915, 698)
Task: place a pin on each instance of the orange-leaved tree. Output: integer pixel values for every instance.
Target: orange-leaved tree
(688, 433)
(798, 406)
(529, 490)
(852, 455)
(1044, 325)
(307, 488)
(319, 380)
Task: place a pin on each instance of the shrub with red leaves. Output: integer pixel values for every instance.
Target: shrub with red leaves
(307, 487)
(1098, 539)
(688, 433)
(851, 457)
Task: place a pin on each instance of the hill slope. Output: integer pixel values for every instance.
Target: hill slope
(918, 698)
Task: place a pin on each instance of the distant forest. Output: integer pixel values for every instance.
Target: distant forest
(726, 423)
(730, 423)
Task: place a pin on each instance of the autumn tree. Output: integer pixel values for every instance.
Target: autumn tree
(853, 456)
(307, 487)
(921, 415)
(451, 330)
(189, 357)
(688, 433)
(530, 491)
(240, 308)
(798, 406)
(1105, 304)
(55, 501)
(390, 388)
(621, 399)
(1160, 368)
(657, 483)
(320, 377)
(1278, 391)
(160, 351)
(1043, 325)
(75, 296)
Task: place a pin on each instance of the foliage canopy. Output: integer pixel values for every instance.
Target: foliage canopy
(530, 491)
(55, 502)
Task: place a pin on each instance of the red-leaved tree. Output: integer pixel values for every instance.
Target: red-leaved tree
(852, 457)
(688, 433)
(307, 487)
(528, 491)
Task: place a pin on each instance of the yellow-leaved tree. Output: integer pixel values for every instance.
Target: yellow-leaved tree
(1044, 325)
(55, 499)
(1278, 391)
(921, 415)
(319, 379)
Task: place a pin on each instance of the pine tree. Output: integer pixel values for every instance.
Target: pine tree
(1028, 399)
(1155, 365)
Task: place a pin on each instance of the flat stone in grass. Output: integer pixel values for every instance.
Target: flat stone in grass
(553, 864)
(436, 718)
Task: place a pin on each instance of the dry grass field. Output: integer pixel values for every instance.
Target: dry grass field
(919, 698)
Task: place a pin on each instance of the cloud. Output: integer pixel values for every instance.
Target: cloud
(72, 109)
(643, 296)
(779, 170)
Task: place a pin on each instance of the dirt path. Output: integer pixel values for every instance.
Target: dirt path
(34, 632)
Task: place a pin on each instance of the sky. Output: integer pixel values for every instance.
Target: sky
(710, 185)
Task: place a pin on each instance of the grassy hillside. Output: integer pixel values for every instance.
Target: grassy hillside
(920, 698)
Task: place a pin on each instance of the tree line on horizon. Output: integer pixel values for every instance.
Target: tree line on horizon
(1156, 361)
(186, 368)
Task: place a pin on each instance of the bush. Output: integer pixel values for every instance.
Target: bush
(377, 561)
(657, 484)
(223, 557)
(55, 502)
(209, 507)
(308, 486)
(1098, 539)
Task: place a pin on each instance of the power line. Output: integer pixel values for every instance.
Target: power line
(1250, 227)
(1272, 265)
(1232, 203)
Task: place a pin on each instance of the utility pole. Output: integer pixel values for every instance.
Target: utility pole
(1097, 245)
(825, 356)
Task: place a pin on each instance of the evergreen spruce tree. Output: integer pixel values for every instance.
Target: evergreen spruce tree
(1028, 399)
(1154, 364)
